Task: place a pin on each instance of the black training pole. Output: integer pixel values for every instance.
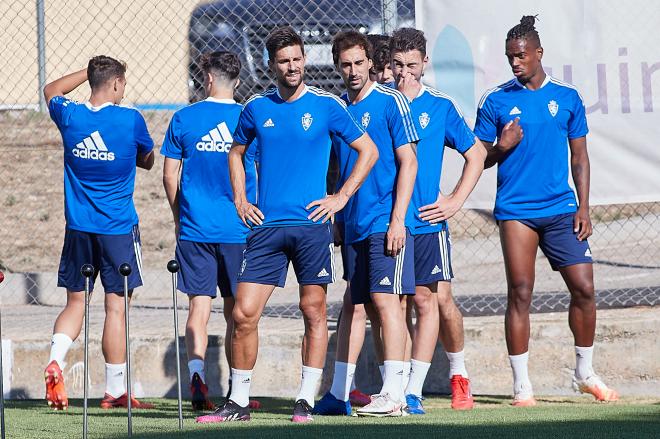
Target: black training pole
(2, 378)
(87, 271)
(173, 267)
(125, 270)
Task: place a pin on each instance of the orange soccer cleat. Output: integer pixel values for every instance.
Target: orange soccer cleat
(596, 387)
(359, 399)
(461, 393)
(110, 402)
(55, 391)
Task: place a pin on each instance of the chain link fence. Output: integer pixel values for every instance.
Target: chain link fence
(161, 41)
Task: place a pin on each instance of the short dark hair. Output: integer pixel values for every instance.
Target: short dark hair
(407, 39)
(525, 30)
(345, 40)
(282, 37)
(381, 51)
(222, 65)
(102, 69)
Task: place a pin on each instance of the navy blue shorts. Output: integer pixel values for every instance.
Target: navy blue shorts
(205, 267)
(558, 242)
(371, 270)
(270, 249)
(106, 253)
(433, 258)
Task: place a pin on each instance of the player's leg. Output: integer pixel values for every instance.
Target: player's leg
(408, 309)
(376, 336)
(519, 246)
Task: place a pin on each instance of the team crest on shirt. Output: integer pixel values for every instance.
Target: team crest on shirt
(424, 120)
(307, 121)
(366, 118)
(553, 108)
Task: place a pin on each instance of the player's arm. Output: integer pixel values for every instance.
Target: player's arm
(581, 171)
(367, 157)
(246, 210)
(65, 84)
(509, 138)
(446, 206)
(145, 161)
(405, 183)
(171, 169)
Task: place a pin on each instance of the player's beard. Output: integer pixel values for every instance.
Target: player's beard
(286, 82)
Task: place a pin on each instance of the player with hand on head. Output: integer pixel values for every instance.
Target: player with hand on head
(103, 144)
(535, 206)
(210, 236)
(439, 123)
(293, 125)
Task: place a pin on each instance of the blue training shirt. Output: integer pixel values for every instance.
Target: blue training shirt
(439, 123)
(532, 179)
(101, 145)
(293, 141)
(385, 114)
(201, 135)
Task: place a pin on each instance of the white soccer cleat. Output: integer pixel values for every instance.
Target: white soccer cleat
(524, 396)
(596, 387)
(381, 405)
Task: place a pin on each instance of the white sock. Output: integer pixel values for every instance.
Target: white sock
(583, 362)
(59, 346)
(342, 379)
(115, 385)
(457, 364)
(406, 376)
(309, 384)
(381, 369)
(418, 372)
(521, 383)
(240, 386)
(196, 366)
(393, 378)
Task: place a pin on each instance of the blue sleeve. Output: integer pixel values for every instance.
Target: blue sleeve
(245, 130)
(577, 123)
(485, 128)
(457, 133)
(60, 109)
(142, 138)
(341, 123)
(400, 122)
(172, 147)
(252, 152)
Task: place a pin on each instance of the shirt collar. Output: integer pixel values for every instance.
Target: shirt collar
(277, 90)
(100, 107)
(545, 81)
(220, 101)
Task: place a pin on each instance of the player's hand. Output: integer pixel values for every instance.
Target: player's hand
(444, 208)
(511, 135)
(326, 207)
(582, 223)
(396, 237)
(409, 86)
(249, 212)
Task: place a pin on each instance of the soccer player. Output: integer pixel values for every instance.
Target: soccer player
(381, 70)
(379, 246)
(103, 144)
(293, 124)
(535, 207)
(439, 123)
(210, 236)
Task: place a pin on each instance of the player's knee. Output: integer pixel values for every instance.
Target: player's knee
(244, 319)
(584, 293)
(520, 296)
(314, 312)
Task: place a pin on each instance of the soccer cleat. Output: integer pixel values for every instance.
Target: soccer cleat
(302, 412)
(229, 412)
(381, 405)
(596, 387)
(359, 399)
(110, 402)
(414, 405)
(461, 393)
(331, 406)
(254, 404)
(55, 391)
(523, 399)
(200, 394)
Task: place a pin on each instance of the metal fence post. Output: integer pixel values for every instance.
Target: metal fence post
(389, 15)
(41, 49)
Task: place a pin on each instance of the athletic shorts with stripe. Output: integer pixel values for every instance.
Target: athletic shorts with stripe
(205, 267)
(106, 253)
(371, 270)
(433, 258)
(270, 249)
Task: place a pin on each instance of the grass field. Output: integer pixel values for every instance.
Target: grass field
(554, 417)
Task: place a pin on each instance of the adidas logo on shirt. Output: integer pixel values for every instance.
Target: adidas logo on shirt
(435, 270)
(323, 273)
(217, 140)
(514, 111)
(588, 253)
(269, 123)
(93, 148)
(385, 281)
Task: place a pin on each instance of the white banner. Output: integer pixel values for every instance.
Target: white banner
(610, 50)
